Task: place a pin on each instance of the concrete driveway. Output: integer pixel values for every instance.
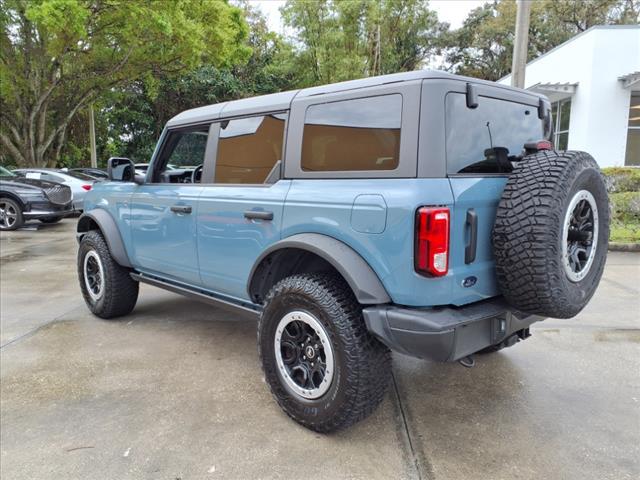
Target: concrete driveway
(175, 391)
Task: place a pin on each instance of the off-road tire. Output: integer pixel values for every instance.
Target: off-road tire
(528, 233)
(19, 221)
(120, 292)
(362, 366)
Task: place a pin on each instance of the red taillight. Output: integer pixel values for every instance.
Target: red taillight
(86, 187)
(432, 241)
(534, 147)
(544, 145)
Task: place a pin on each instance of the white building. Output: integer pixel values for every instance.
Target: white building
(593, 80)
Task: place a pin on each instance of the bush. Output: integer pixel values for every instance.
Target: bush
(622, 179)
(625, 207)
(623, 185)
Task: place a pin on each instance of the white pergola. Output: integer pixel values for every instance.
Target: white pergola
(630, 80)
(555, 91)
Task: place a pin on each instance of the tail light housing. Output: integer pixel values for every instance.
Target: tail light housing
(431, 256)
(86, 187)
(534, 147)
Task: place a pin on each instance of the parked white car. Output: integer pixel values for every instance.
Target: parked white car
(79, 183)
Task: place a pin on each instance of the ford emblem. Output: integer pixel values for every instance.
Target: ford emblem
(469, 281)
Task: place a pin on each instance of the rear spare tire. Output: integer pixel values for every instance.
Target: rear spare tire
(551, 233)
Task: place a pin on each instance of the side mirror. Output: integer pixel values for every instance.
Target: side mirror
(121, 169)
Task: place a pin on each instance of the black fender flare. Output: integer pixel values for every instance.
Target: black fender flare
(12, 196)
(364, 282)
(109, 229)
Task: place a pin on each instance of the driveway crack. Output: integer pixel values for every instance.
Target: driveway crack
(35, 330)
(423, 469)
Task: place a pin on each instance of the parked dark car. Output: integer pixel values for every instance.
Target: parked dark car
(96, 173)
(79, 183)
(27, 198)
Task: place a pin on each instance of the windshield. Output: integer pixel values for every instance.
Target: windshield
(6, 173)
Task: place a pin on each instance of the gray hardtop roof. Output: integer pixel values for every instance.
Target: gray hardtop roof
(282, 101)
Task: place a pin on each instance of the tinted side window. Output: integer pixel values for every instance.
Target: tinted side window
(353, 135)
(187, 148)
(182, 151)
(248, 148)
(480, 140)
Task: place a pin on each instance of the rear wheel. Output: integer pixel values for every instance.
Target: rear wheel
(325, 370)
(107, 288)
(10, 214)
(551, 233)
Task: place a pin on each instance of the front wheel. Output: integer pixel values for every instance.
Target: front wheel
(10, 214)
(107, 288)
(325, 370)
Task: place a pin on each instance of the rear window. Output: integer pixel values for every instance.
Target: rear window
(353, 135)
(482, 139)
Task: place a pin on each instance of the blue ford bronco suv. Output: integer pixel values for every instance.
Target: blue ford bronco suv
(419, 212)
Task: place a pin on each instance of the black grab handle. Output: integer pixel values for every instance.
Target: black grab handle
(181, 209)
(470, 249)
(258, 215)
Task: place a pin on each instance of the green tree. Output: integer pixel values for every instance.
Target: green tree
(483, 46)
(134, 115)
(58, 56)
(341, 40)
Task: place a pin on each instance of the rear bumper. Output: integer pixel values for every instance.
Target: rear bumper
(446, 334)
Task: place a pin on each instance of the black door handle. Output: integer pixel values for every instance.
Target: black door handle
(470, 249)
(181, 209)
(258, 214)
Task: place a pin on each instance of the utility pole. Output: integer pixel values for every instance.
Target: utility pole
(520, 45)
(92, 138)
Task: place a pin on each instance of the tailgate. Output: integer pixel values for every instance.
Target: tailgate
(472, 266)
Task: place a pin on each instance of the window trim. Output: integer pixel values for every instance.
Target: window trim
(556, 121)
(409, 127)
(630, 128)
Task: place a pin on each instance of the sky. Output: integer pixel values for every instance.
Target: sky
(451, 11)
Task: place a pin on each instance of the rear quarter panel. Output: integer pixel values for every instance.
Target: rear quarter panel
(325, 206)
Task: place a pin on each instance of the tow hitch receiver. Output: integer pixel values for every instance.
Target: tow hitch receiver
(469, 360)
(514, 338)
